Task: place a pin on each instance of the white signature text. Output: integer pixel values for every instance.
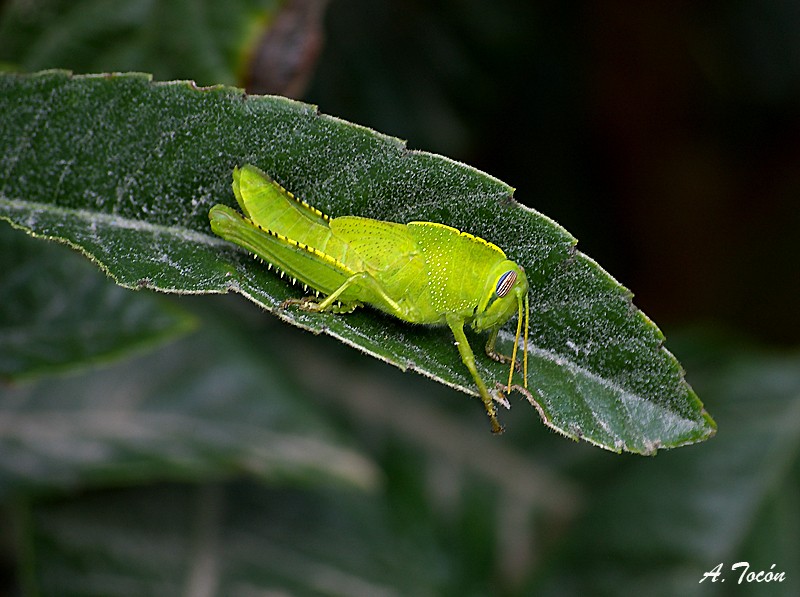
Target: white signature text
(745, 574)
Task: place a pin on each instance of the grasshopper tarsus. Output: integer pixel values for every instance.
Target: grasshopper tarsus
(502, 358)
(306, 303)
(497, 428)
(311, 304)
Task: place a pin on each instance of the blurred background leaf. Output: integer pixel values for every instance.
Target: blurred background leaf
(664, 136)
(206, 41)
(171, 414)
(56, 313)
(696, 507)
(233, 539)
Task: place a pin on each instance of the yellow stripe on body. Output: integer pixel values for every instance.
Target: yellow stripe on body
(308, 249)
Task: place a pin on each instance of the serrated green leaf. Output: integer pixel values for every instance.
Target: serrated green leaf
(126, 170)
(58, 312)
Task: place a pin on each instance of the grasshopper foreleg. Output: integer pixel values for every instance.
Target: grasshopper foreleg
(498, 356)
(468, 358)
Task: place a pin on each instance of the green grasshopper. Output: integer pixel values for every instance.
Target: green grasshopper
(420, 272)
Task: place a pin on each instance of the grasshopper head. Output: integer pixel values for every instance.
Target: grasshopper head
(503, 296)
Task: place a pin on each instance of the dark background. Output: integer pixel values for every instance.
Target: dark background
(664, 135)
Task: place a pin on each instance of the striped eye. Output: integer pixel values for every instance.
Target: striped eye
(505, 283)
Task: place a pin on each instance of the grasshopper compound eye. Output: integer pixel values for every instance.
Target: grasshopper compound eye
(505, 283)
